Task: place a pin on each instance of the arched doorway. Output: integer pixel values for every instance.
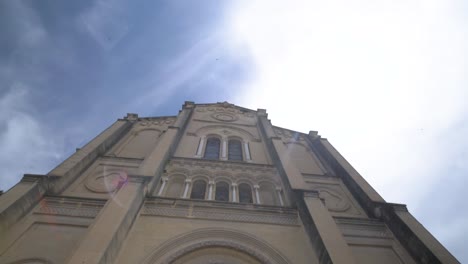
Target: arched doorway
(215, 246)
(216, 255)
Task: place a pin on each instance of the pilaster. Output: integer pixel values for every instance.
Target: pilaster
(105, 236)
(294, 176)
(153, 165)
(17, 201)
(331, 247)
(71, 168)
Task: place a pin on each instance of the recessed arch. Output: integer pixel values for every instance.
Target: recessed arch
(198, 189)
(245, 193)
(235, 149)
(213, 129)
(139, 143)
(222, 191)
(175, 186)
(212, 148)
(215, 237)
(268, 195)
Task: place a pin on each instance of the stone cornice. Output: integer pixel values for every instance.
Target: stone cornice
(221, 211)
(223, 164)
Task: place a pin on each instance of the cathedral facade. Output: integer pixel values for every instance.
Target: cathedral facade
(217, 183)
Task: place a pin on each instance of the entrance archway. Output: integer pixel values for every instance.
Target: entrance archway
(210, 245)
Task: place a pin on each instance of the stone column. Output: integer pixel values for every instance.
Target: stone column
(210, 190)
(234, 192)
(200, 147)
(333, 242)
(163, 185)
(224, 142)
(247, 151)
(104, 237)
(257, 196)
(187, 187)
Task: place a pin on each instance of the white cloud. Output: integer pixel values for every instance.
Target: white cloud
(25, 147)
(384, 81)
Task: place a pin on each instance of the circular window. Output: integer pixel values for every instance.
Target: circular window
(225, 117)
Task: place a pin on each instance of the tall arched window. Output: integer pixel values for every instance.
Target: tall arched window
(198, 190)
(234, 150)
(222, 192)
(245, 193)
(176, 185)
(212, 148)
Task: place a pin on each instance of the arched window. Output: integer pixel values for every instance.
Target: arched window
(212, 148)
(175, 187)
(268, 194)
(222, 192)
(234, 150)
(245, 193)
(198, 190)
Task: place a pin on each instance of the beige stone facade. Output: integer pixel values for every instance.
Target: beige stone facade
(217, 183)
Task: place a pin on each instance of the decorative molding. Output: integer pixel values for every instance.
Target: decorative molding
(203, 131)
(240, 167)
(106, 181)
(164, 121)
(226, 108)
(211, 210)
(70, 207)
(342, 205)
(289, 135)
(224, 117)
(212, 237)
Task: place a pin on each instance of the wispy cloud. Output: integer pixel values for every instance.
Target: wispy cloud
(385, 82)
(24, 141)
(106, 22)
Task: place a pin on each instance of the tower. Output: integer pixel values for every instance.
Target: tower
(217, 183)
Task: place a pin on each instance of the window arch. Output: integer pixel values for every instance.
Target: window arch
(245, 193)
(268, 194)
(198, 190)
(212, 148)
(222, 192)
(235, 149)
(175, 187)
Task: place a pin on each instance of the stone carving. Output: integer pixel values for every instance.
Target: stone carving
(106, 181)
(288, 135)
(224, 117)
(148, 122)
(194, 164)
(225, 108)
(334, 201)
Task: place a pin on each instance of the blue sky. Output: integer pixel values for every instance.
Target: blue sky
(385, 82)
